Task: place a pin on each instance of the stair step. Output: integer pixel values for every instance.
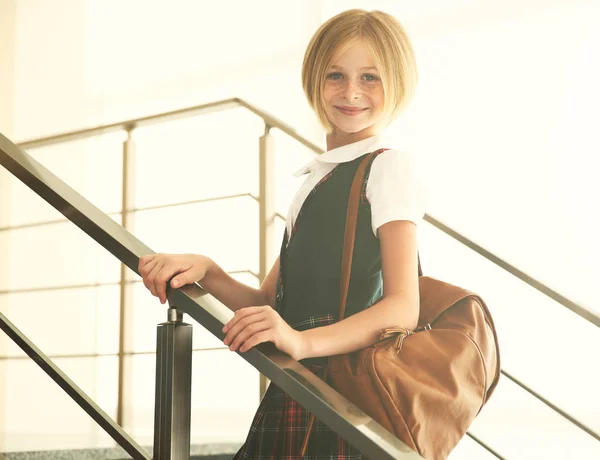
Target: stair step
(198, 452)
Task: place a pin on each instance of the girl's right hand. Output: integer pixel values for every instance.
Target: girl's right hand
(157, 269)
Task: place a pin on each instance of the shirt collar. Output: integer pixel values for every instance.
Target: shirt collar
(346, 153)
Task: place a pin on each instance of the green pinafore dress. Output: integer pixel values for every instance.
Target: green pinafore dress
(308, 296)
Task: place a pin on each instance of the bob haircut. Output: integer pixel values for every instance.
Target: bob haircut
(386, 40)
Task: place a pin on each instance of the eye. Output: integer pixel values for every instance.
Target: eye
(334, 75)
(370, 77)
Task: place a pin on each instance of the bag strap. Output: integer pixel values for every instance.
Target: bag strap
(350, 231)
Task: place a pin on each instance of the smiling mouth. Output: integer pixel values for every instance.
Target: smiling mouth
(355, 111)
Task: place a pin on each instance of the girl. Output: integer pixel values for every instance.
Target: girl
(358, 74)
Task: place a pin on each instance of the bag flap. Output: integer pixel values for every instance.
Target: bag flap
(436, 297)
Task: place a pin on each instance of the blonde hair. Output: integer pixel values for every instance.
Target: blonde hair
(384, 37)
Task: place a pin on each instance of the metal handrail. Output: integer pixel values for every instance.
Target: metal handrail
(554, 407)
(274, 122)
(485, 446)
(310, 391)
(130, 125)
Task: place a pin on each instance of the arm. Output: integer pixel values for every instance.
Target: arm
(236, 295)
(181, 269)
(398, 308)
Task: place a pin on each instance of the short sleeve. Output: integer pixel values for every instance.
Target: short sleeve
(394, 190)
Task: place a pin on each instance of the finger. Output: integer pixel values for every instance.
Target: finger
(167, 273)
(253, 310)
(242, 314)
(241, 325)
(181, 280)
(161, 280)
(151, 277)
(144, 261)
(144, 275)
(147, 268)
(147, 284)
(247, 333)
(235, 319)
(264, 336)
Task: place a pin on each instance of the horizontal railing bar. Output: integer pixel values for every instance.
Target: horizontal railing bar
(201, 200)
(84, 401)
(59, 288)
(555, 408)
(485, 446)
(129, 125)
(42, 223)
(134, 210)
(96, 285)
(305, 387)
(106, 355)
(539, 286)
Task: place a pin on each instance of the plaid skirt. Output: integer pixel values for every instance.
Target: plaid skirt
(279, 428)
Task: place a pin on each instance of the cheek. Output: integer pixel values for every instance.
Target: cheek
(329, 91)
(377, 97)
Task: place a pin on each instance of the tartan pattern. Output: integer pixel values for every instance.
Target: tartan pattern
(280, 424)
(314, 321)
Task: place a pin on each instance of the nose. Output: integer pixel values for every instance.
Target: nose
(352, 91)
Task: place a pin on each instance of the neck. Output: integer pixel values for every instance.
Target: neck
(340, 138)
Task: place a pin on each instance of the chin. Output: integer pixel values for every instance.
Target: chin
(352, 129)
(351, 125)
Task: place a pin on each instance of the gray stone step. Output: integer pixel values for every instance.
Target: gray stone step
(198, 452)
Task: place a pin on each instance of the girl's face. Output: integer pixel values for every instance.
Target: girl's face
(353, 92)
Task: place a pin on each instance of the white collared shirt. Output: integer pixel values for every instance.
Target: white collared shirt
(393, 190)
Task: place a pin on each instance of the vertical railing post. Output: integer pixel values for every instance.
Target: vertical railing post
(172, 410)
(127, 203)
(266, 215)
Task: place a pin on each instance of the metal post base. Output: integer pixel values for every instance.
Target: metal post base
(172, 410)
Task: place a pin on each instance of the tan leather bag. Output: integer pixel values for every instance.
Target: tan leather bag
(426, 386)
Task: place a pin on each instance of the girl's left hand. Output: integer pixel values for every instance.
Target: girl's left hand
(253, 325)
